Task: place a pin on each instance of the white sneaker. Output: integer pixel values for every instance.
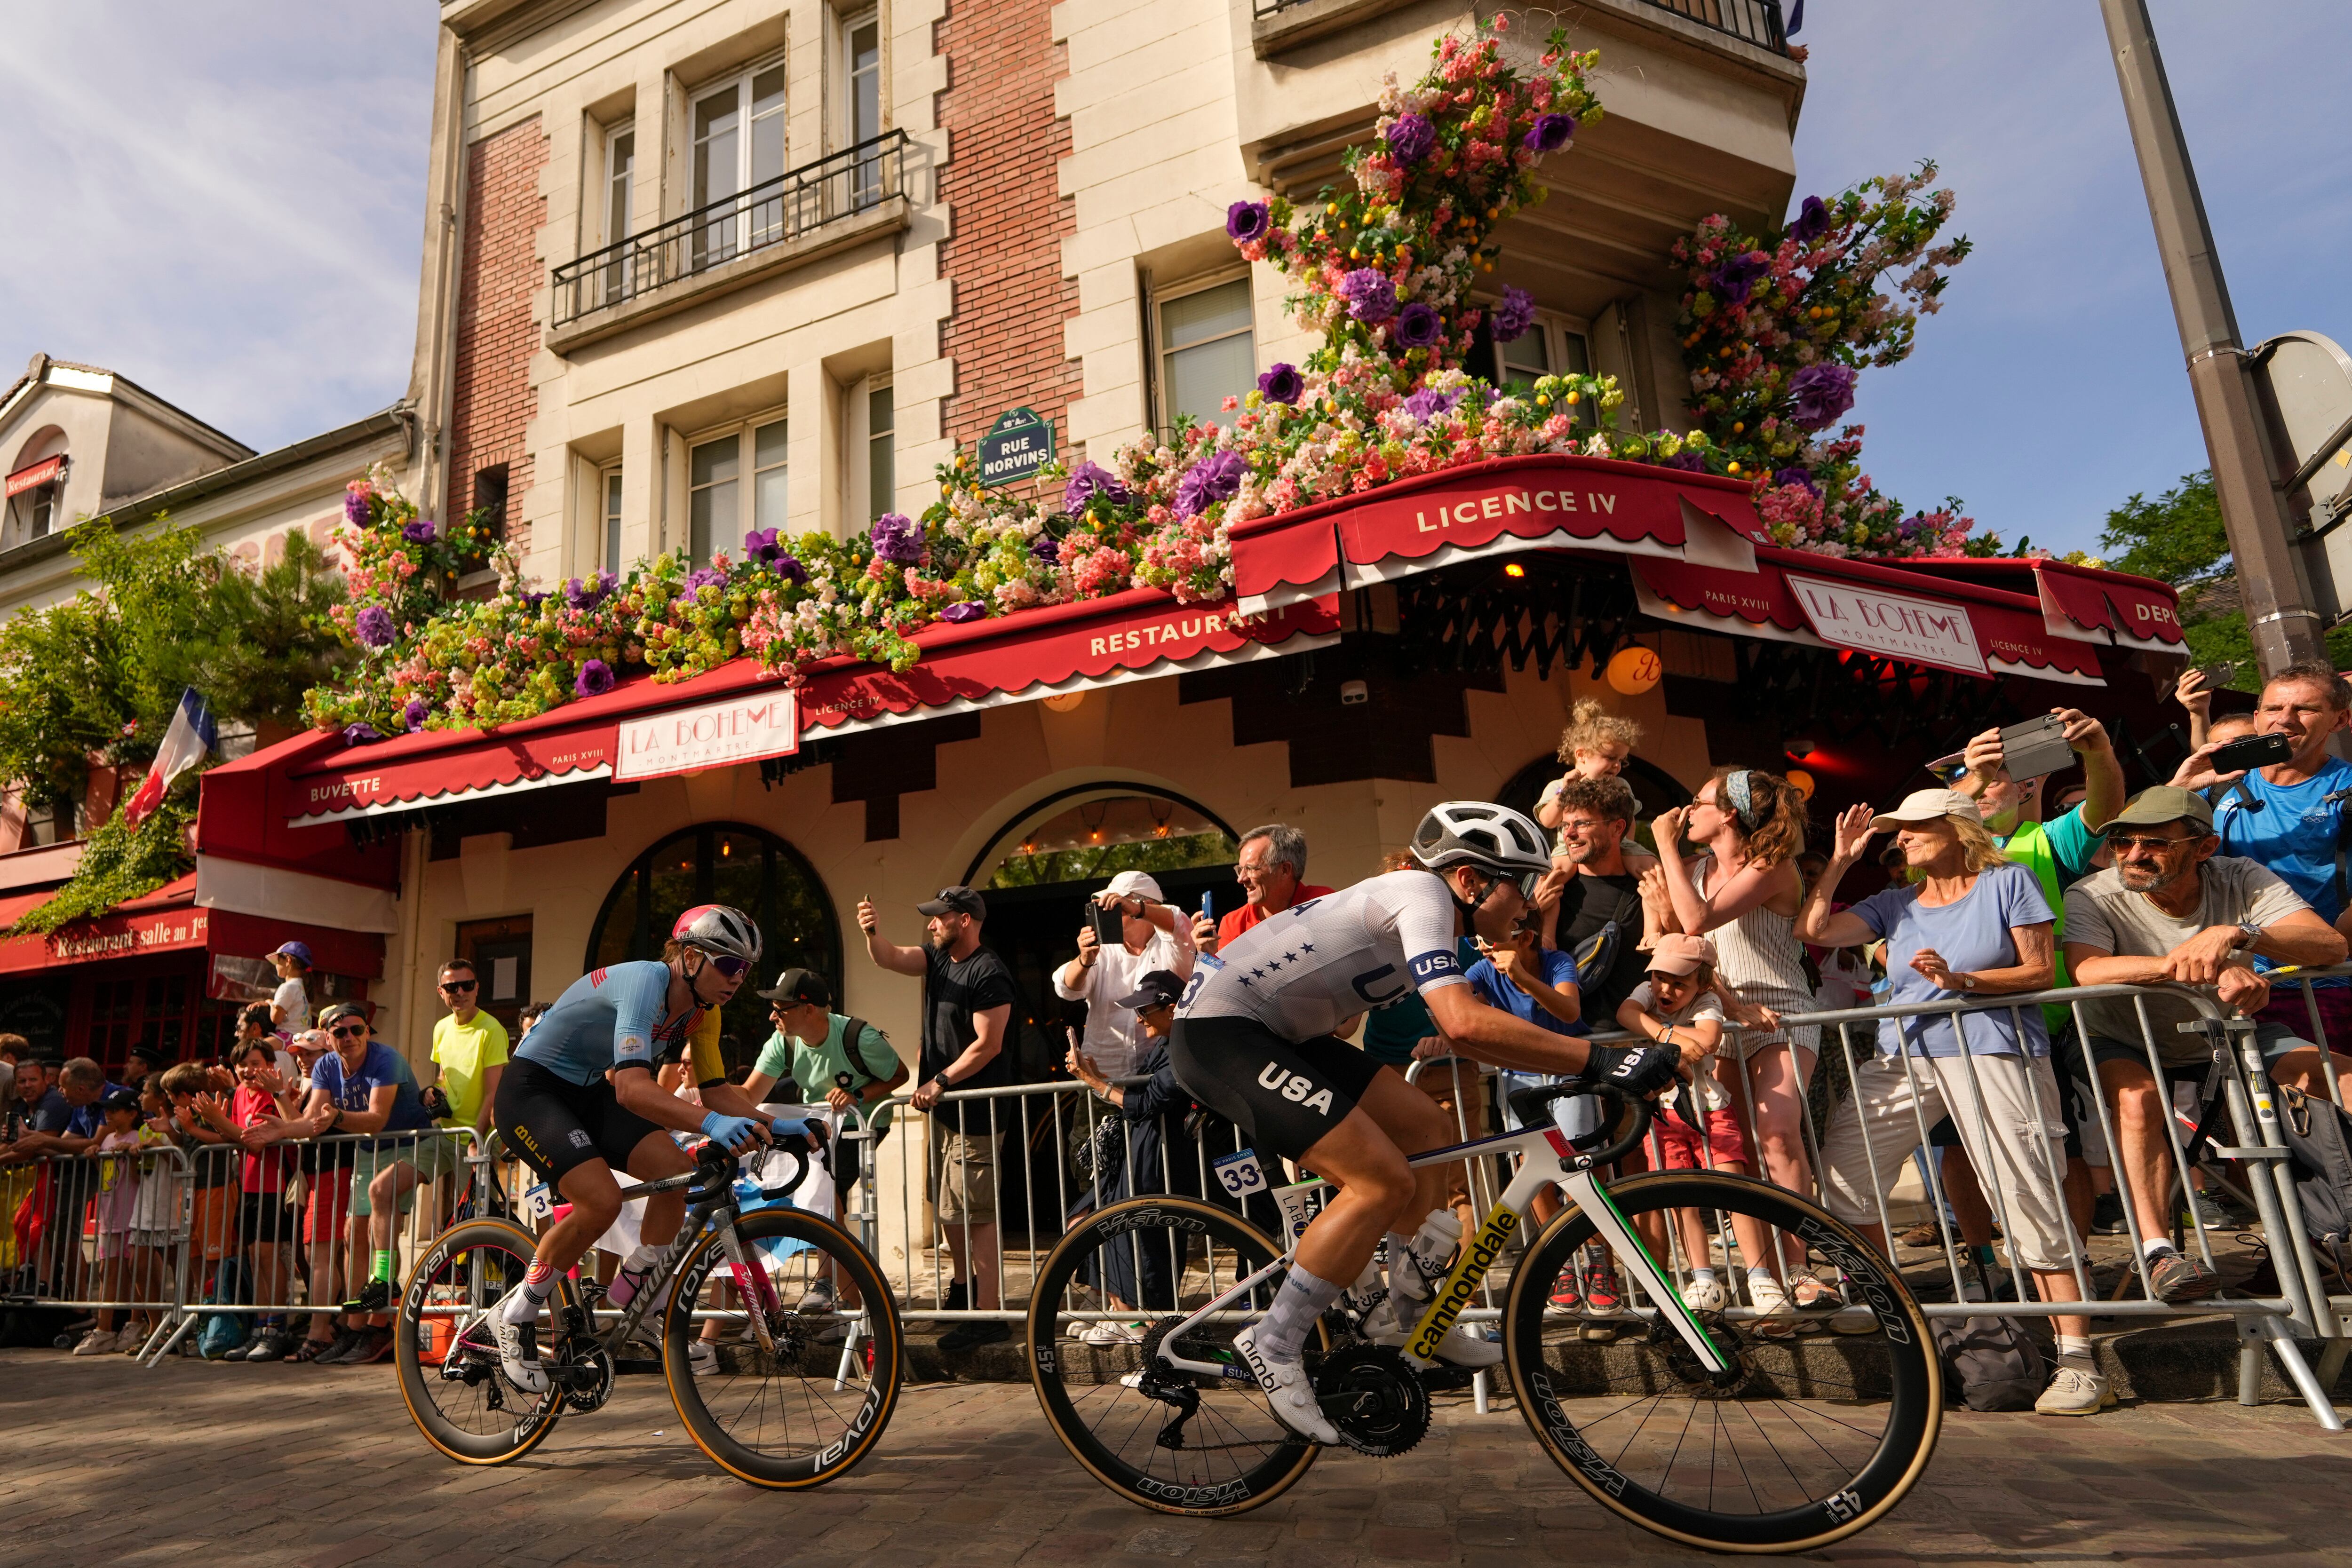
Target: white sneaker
(1776, 1316)
(2075, 1392)
(97, 1342)
(1462, 1346)
(518, 1350)
(1704, 1295)
(1107, 1332)
(1288, 1389)
(703, 1357)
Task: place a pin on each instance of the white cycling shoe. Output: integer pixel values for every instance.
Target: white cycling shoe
(1462, 1346)
(1288, 1389)
(518, 1350)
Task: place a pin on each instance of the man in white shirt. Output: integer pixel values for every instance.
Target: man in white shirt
(1153, 937)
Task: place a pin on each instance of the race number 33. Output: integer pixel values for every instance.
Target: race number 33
(1239, 1173)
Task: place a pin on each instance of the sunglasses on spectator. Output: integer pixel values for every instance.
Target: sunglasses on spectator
(2123, 843)
(355, 1032)
(459, 985)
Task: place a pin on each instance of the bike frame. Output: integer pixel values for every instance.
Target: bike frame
(1537, 1148)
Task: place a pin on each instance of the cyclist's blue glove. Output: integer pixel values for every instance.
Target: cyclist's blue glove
(788, 1126)
(735, 1133)
(1637, 1069)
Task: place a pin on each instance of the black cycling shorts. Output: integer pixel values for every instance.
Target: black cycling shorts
(1284, 1095)
(555, 1125)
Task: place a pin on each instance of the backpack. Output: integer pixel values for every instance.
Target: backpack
(1990, 1364)
(2319, 1139)
(221, 1332)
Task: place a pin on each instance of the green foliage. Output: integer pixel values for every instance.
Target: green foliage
(1150, 855)
(121, 862)
(263, 640)
(2177, 538)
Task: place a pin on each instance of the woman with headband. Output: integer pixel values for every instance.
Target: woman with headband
(1744, 893)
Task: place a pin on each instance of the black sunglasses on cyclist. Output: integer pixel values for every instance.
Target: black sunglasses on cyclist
(354, 1031)
(459, 985)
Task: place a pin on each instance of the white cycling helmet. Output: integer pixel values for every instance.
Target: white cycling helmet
(719, 930)
(1478, 833)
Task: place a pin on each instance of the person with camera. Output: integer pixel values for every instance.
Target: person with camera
(1150, 934)
(1148, 1118)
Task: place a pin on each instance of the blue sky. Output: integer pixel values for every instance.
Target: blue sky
(231, 214)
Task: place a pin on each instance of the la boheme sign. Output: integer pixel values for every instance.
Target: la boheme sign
(1875, 620)
(715, 735)
(1020, 442)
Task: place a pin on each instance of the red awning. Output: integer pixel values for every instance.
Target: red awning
(167, 921)
(738, 712)
(37, 474)
(1505, 504)
(1885, 610)
(2080, 601)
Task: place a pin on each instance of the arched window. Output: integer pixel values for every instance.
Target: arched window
(724, 863)
(1656, 788)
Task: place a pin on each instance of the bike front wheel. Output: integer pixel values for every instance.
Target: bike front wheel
(1177, 1442)
(1807, 1439)
(448, 1361)
(781, 1349)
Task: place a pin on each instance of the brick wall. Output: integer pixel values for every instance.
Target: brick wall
(1004, 260)
(499, 273)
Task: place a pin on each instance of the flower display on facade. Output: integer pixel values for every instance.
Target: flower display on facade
(1281, 385)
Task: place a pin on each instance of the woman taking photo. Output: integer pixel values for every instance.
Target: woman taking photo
(1742, 891)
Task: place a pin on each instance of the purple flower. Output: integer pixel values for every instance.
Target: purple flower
(1688, 462)
(360, 734)
(419, 532)
(584, 594)
(1800, 478)
(1212, 479)
(1246, 221)
(897, 540)
(531, 602)
(414, 714)
(596, 678)
(761, 545)
(1047, 548)
(375, 629)
(1417, 326)
(1282, 384)
(1819, 393)
(355, 508)
(789, 568)
(1428, 403)
(1410, 137)
(1370, 296)
(1092, 479)
(1732, 281)
(1812, 221)
(970, 609)
(1550, 132)
(1514, 315)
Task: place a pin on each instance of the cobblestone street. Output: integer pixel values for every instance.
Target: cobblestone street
(313, 1468)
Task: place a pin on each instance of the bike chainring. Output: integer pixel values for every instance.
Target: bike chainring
(1375, 1398)
(585, 1380)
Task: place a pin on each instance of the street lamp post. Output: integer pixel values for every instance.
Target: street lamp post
(2279, 615)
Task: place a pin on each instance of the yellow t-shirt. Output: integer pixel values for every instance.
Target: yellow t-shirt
(707, 1066)
(466, 1053)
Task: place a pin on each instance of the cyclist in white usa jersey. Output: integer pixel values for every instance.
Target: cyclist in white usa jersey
(1255, 1040)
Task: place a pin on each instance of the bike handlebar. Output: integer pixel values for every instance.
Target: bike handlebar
(715, 1166)
(1533, 1107)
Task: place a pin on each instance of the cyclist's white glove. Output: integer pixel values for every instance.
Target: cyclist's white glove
(733, 1133)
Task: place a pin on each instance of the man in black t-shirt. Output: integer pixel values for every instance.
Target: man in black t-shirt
(1595, 815)
(967, 1017)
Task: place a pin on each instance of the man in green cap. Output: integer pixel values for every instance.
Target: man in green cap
(2170, 910)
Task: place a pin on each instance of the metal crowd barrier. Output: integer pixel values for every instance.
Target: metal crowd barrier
(105, 1232)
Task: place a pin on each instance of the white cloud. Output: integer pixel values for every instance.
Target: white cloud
(230, 201)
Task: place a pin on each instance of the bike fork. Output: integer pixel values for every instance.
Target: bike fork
(1593, 1199)
(751, 1283)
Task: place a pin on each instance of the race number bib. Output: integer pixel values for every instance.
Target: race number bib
(538, 1201)
(1239, 1173)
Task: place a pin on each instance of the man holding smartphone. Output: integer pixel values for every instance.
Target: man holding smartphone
(1151, 935)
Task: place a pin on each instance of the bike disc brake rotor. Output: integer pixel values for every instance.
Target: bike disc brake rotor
(586, 1380)
(1698, 1380)
(1375, 1398)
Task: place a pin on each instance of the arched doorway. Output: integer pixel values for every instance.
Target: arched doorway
(1656, 788)
(724, 863)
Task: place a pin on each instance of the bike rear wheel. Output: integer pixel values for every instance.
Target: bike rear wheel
(1162, 1257)
(1806, 1440)
(809, 1408)
(447, 1362)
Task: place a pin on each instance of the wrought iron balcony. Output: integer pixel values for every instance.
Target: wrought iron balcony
(794, 205)
(1757, 22)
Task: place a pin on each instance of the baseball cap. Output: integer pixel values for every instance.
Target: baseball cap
(1157, 988)
(800, 985)
(1679, 955)
(154, 1055)
(119, 1100)
(1135, 885)
(2162, 803)
(298, 951)
(340, 1011)
(1926, 806)
(956, 900)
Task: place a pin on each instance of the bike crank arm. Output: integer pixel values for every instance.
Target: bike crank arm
(1593, 1199)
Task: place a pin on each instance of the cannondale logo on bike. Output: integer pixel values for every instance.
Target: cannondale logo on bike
(1462, 1283)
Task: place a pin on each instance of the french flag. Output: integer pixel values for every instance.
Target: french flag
(188, 741)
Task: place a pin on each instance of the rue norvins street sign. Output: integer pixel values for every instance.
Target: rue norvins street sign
(1018, 444)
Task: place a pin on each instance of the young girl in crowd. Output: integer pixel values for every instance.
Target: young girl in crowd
(117, 1194)
(1678, 1005)
(1743, 890)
